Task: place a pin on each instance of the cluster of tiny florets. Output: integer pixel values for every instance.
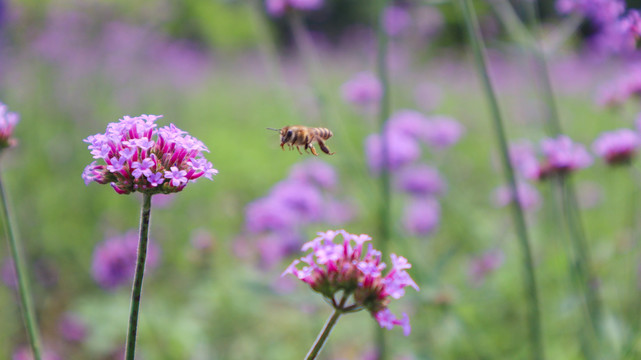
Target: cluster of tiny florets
(140, 157)
(346, 268)
(8, 121)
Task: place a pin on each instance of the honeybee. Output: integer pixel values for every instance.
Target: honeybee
(298, 135)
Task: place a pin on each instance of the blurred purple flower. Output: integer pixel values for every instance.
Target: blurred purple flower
(276, 246)
(443, 132)
(483, 265)
(338, 212)
(161, 201)
(617, 147)
(421, 180)
(524, 160)
(8, 121)
(408, 122)
(8, 273)
(422, 216)
(268, 213)
(528, 196)
(599, 11)
(201, 239)
(279, 7)
(362, 89)
(316, 172)
(72, 328)
(618, 91)
(401, 150)
(114, 260)
(562, 155)
(396, 20)
(305, 199)
(24, 353)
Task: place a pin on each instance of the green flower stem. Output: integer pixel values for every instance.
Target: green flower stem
(23, 284)
(582, 253)
(531, 293)
(136, 291)
(324, 334)
(308, 53)
(385, 226)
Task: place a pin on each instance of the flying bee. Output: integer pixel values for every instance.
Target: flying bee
(298, 135)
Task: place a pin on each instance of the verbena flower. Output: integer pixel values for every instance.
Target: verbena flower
(396, 20)
(72, 328)
(316, 172)
(401, 150)
(24, 353)
(280, 7)
(442, 132)
(559, 156)
(527, 195)
(483, 265)
(421, 180)
(422, 216)
(134, 155)
(619, 90)
(617, 147)
(347, 268)
(362, 89)
(114, 260)
(8, 121)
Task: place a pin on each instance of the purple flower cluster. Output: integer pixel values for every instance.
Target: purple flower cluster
(139, 157)
(616, 30)
(348, 268)
(363, 89)
(405, 132)
(114, 260)
(396, 20)
(305, 197)
(72, 328)
(24, 353)
(8, 121)
(483, 265)
(617, 147)
(560, 156)
(280, 7)
(527, 196)
(622, 88)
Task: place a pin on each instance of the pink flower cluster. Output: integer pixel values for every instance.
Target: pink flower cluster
(363, 89)
(140, 157)
(280, 7)
(618, 146)
(8, 121)
(560, 156)
(348, 269)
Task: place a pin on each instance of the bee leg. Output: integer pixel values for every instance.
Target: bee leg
(307, 147)
(311, 146)
(298, 148)
(323, 147)
(281, 146)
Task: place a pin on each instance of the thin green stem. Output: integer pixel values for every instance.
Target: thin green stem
(324, 334)
(24, 293)
(579, 242)
(136, 290)
(531, 292)
(386, 194)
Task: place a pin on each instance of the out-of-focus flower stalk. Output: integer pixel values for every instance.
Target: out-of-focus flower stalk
(136, 290)
(385, 206)
(268, 50)
(570, 210)
(305, 45)
(533, 318)
(21, 274)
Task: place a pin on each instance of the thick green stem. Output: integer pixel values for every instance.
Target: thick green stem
(136, 290)
(322, 337)
(383, 115)
(531, 292)
(21, 274)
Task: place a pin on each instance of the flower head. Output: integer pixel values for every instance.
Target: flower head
(421, 180)
(527, 195)
(562, 155)
(72, 328)
(114, 260)
(422, 216)
(362, 89)
(617, 147)
(280, 7)
(138, 156)
(8, 121)
(349, 268)
(483, 265)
